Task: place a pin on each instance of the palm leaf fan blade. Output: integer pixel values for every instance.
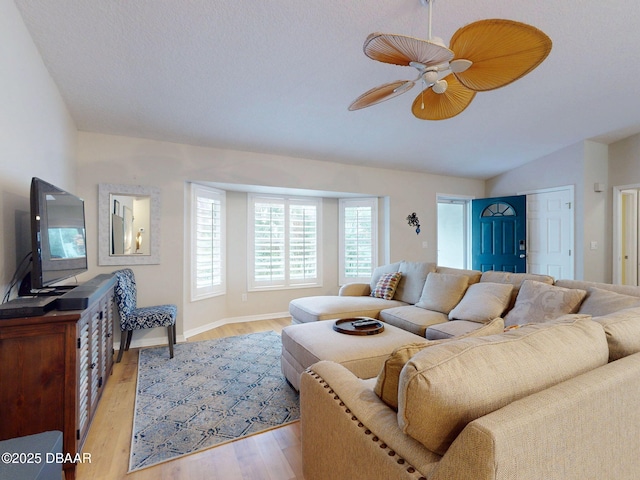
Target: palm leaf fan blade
(381, 93)
(502, 51)
(402, 50)
(429, 105)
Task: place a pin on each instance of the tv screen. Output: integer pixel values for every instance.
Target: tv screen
(58, 239)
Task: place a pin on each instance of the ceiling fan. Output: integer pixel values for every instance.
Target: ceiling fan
(483, 55)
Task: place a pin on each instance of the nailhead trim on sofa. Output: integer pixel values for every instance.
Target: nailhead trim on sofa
(400, 461)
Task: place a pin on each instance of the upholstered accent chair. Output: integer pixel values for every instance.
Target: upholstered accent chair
(134, 318)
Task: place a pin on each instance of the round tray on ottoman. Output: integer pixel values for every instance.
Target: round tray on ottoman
(358, 326)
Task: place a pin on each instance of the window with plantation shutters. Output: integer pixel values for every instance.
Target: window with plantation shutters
(208, 239)
(269, 242)
(303, 242)
(284, 242)
(358, 232)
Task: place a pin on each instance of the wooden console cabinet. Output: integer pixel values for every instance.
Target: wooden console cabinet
(53, 369)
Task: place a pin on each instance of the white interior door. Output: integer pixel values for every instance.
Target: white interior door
(630, 237)
(550, 249)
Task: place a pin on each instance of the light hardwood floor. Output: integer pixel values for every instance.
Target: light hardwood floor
(273, 455)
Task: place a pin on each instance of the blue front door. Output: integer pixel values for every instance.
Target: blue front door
(498, 234)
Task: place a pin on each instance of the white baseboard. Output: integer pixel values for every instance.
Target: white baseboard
(149, 342)
(225, 321)
(159, 341)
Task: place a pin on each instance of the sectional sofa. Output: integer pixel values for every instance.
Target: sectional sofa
(556, 395)
(436, 302)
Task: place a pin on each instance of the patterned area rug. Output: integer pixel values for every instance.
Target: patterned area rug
(211, 392)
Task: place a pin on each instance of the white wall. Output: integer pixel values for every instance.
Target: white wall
(132, 161)
(580, 165)
(597, 207)
(36, 131)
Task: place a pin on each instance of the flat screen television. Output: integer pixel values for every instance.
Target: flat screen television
(58, 238)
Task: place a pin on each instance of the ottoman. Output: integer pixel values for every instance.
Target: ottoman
(307, 343)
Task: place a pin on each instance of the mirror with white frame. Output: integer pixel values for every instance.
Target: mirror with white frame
(128, 225)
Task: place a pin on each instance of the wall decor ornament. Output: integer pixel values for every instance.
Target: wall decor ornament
(414, 222)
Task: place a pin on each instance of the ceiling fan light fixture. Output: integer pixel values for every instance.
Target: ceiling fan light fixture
(430, 77)
(440, 86)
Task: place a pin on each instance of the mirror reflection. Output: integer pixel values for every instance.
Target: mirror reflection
(130, 224)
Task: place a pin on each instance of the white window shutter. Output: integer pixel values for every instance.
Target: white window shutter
(358, 239)
(208, 238)
(284, 237)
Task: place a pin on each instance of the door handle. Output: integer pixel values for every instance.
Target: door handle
(522, 255)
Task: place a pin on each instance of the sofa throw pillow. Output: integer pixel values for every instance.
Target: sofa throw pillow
(538, 302)
(600, 302)
(514, 279)
(623, 332)
(482, 302)
(444, 387)
(386, 286)
(442, 291)
(387, 382)
(381, 270)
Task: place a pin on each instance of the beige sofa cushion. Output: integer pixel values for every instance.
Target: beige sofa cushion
(442, 291)
(514, 279)
(411, 318)
(632, 290)
(538, 302)
(602, 302)
(326, 307)
(450, 329)
(482, 302)
(474, 275)
(387, 382)
(623, 332)
(446, 386)
(414, 275)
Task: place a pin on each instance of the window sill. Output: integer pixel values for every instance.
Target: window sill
(269, 288)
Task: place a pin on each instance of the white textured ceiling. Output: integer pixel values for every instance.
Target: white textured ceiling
(277, 76)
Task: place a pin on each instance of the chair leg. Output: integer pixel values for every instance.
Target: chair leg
(171, 340)
(129, 335)
(123, 342)
(174, 334)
